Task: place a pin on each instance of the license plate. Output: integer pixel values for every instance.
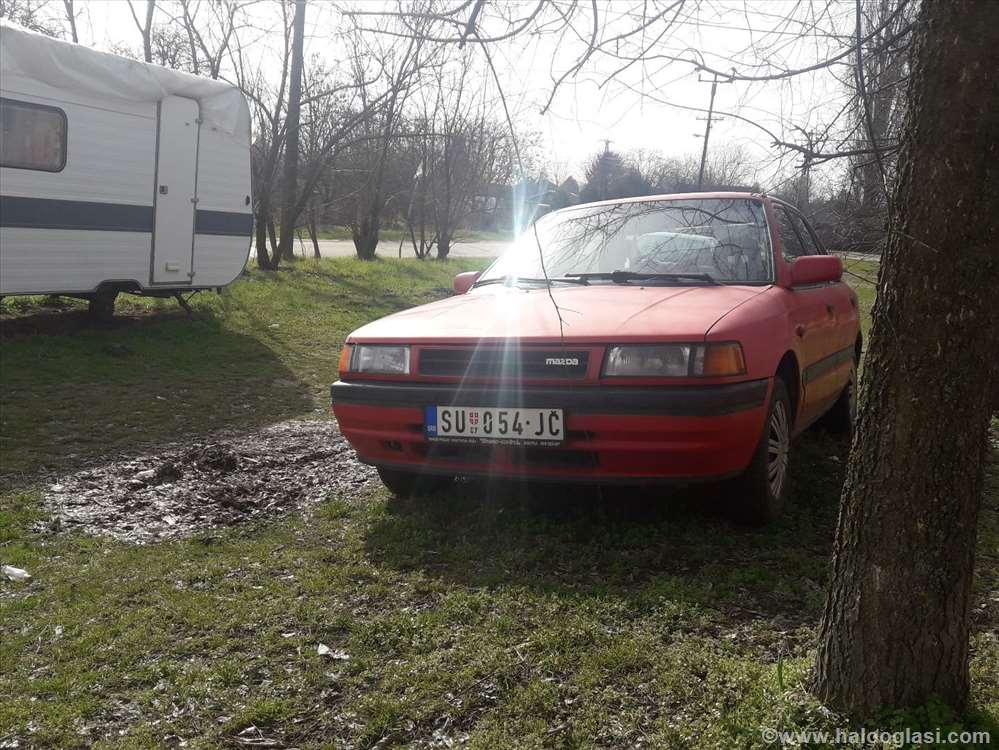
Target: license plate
(477, 424)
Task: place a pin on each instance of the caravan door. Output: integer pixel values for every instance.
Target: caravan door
(176, 194)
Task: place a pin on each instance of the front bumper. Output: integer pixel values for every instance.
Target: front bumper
(669, 433)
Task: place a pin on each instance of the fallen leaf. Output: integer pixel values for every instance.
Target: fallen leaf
(15, 574)
(336, 654)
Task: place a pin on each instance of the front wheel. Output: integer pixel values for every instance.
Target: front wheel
(761, 490)
(412, 483)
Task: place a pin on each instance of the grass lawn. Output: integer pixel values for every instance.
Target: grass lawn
(486, 618)
(265, 349)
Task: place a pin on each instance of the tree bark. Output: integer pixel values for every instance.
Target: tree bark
(145, 28)
(272, 235)
(263, 258)
(71, 17)
(365, 236)
(147, 31)
(314, 235)
(289, 208)
(443, 244)
(895, 627)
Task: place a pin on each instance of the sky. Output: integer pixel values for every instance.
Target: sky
(755, 35)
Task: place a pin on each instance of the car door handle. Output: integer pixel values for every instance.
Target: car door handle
(800, 330)
(831, 309)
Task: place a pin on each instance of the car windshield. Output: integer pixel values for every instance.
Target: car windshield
(669, 241)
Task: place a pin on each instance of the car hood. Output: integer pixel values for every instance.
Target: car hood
(588, 313)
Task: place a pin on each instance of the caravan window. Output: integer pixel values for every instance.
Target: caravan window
(32, 136)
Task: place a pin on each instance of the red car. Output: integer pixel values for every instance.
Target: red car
(676, 338)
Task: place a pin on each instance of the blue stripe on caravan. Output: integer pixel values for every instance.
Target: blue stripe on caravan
(46, 213)
(223, 222)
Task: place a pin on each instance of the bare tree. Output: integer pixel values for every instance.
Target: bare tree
(145, 27)
(325, 103)
(35, 15)
(336, 116)
(168, 48)
(208, 39)
(878, 78)
(608, 42)
(417, 215)
(467, 152)
(71, 19)
(289, 215)
(266, 96)
(402, 69)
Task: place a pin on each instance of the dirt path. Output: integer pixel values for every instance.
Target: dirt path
(208, 483)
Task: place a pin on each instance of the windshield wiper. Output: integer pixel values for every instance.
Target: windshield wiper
(521, 279)
(623, 277)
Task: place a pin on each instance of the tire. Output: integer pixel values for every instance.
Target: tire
(842, 415)
(412, 483)
(760, 492)
(101, 306)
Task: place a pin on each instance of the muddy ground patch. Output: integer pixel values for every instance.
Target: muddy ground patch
(207, 483)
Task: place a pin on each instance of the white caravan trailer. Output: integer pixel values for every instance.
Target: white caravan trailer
(117, 176)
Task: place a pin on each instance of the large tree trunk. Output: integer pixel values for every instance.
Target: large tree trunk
(365, 236)
(289, 206)
(895, 627)
(443, 244)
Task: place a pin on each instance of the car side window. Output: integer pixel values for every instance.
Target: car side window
(790, 242)
(807, 238)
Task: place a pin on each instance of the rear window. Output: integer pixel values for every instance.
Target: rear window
(32, 136)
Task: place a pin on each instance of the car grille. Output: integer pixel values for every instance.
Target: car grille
(504, 363)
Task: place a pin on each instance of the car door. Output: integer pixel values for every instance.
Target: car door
(842, 297)
(812, 316)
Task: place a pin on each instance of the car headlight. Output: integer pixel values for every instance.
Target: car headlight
(375, 359)
(675, 360)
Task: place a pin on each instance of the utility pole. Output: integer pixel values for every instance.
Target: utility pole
(602, 174)
(707, 127)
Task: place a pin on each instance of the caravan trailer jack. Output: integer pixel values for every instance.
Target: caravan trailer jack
(185, 303)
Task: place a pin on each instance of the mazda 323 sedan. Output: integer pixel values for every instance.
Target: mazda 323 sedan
(669, 339)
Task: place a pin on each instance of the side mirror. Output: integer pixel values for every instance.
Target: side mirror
(816, 269)
(463, 281)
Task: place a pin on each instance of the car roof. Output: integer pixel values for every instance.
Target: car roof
(674, 196)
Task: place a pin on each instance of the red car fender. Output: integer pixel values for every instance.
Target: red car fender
(763, 325)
